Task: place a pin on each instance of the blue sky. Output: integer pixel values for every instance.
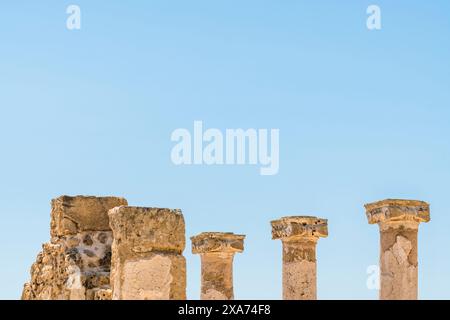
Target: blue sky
(363, 115)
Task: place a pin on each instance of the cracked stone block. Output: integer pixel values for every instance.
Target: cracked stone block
(399, 223)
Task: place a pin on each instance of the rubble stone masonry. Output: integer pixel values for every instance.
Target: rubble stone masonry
(75, 264)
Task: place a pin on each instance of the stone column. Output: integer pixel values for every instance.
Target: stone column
(147, 261)
(299, 236)
(399, 222)
(217, 250)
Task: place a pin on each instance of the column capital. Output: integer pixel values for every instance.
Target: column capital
(299, 227)
(217, 242)
(397, 210)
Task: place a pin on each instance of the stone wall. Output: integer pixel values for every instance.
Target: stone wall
(76, 263)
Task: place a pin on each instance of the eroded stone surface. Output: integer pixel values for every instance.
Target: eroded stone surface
(299, 226)
(77, 261)
(217, 276)
(147, 261)
(212, 294)
(217, 250)
(152, 278)
(299, 280)
(102, 294)
(26, 293)
(143, 230)
(399, 267)
(399, 222)
(398, 275)
(397, 210)
(72, 215)
(299, 236)
(217, 242)
(299, 249)
(66, 269)
(299, 269)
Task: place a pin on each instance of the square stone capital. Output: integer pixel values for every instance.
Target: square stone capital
(396, 210)
(72, 215)
(220, 242)
(299, 227)
(144, 230)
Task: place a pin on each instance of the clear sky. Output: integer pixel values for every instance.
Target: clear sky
(363, 115)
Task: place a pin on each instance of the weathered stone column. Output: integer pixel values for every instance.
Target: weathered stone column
(299, 236)
(217, 251)
(147, 260)
(399, 222)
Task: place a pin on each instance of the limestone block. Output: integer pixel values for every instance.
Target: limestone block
(72, 215)
(147, 261)
(155, 277)
(140, 230)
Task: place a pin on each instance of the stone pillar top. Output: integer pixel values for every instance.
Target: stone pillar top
(217, 242)
(74, 214)
(397, 210)
(148, 229)
(298, 227)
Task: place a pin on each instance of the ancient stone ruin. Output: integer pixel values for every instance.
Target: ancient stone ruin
(217, 251)
(102, 249)
(299, 236)
(147, 260)
(76, 263)
(399, 222)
